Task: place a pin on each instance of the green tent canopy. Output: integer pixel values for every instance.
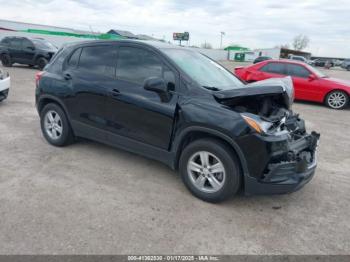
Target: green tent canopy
(236, 48)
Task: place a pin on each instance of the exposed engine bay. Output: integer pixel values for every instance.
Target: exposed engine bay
(266, 107)
(268, 103)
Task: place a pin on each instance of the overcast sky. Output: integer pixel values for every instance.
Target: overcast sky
(254, 24)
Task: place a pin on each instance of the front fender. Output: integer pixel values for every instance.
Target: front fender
(183, 134)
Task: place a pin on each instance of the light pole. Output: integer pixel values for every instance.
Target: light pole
(221, 35)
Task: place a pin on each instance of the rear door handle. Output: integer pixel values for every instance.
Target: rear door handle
(115, 92)
(67, 76)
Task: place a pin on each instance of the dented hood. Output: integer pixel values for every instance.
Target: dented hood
(276, 87)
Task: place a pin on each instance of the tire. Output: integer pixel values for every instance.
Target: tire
(227, 183)
(348, 68)
(337, 100)
(61, 133)
(41, 62)
(6, 60)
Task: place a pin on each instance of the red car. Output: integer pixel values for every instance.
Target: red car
(309, 83)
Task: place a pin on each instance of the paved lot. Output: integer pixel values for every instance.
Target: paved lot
(91, 198)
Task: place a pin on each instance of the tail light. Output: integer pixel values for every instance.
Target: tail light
(38, 77)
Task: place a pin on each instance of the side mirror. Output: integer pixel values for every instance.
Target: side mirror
(312, 77)
(155, 84)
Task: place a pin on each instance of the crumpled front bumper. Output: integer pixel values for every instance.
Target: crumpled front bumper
(291, 175)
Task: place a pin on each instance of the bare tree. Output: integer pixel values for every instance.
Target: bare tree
(286, 46)
(300, 42)
(206, 45)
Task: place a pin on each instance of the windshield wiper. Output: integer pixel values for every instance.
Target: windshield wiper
(212, 88)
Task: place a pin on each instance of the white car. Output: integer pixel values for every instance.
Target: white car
(4, 85)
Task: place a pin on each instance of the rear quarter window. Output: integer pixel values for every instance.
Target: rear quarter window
(275, 68)
(5, 42)
(74, 58)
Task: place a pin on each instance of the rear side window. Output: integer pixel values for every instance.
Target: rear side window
(99, 60)
(16, 43)
(297, 71)
(136, 65)
(74, 58)
(275, 68)
(298, 58)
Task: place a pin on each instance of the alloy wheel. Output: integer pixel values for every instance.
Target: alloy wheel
(206, 172)
(53, 125)
(337, 100)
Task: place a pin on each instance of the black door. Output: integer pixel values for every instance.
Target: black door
(134, 112)
(28, 51)
(90, 73)
(15, 49)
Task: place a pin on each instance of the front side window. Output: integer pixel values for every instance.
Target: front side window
(203, 70)
(136, 65)
(297, 71)
(43, 44)
(26, 44)
(274, 68)
(100, 60)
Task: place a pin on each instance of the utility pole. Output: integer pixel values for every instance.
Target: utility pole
(221, 35)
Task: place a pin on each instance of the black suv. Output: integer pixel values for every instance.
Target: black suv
(179, 107)
(29, 51)
(261, 58)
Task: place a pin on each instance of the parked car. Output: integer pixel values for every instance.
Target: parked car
(310, 84)
(346, 64)
(179, 107)
(4, 85)
(261, 58)
(298, 58)
(321, 62)
(338, 62)
(23, 50)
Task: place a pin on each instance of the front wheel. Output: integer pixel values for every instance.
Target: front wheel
(42, 62)
(210, 170)
(348, 68)
(337, 100)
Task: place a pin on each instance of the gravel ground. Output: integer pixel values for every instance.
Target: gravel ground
(89, 198)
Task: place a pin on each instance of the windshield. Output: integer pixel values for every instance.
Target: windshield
(43, 44)
(204, 71)
(317, 72)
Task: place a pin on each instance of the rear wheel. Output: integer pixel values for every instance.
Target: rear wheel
(210, 170)
(348, 68)
(337, 99)
(41, 62)
(55, 126)
(6, 60)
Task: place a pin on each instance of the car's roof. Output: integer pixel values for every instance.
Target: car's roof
(286, 61)
(25, 37)
(156, 44)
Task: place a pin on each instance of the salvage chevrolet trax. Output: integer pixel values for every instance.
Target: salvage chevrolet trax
(181, 108)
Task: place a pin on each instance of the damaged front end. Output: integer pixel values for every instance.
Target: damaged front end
(280, 154)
